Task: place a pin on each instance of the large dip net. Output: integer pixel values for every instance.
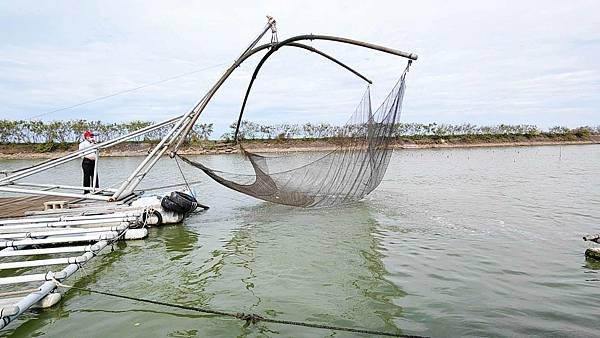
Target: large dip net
(344, 175)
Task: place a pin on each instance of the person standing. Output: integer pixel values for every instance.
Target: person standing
(89, 161)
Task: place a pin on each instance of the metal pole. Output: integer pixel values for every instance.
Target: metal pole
(202, 104)
(46, 288)
(140, 175)
(61, 232)
(66, 239)
(64, 224)
(161, 147)
(76, 154)
(48, 251)
(95, 179)
(45, 166)
(249, 52)
(51, 193)
(31, 220)
(37, 277)
(128, 186)
(58, 186)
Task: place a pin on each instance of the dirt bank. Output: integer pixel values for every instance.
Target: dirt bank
(34, 151)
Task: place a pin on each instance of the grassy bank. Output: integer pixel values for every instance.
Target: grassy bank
(141, 148)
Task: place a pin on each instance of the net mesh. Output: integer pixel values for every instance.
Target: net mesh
(344, 175)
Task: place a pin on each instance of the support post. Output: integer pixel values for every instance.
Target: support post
(95, 177)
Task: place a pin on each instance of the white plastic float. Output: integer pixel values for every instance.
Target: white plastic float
(63, 231)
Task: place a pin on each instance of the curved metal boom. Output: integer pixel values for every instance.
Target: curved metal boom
(184, 125)
(202, 104)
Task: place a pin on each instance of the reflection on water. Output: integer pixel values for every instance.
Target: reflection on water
(320, 266)
(592, 264)
(178, 239)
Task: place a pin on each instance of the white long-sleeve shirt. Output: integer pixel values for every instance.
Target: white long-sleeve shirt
(86, 144)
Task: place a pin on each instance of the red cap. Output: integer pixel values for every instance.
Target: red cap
(87, 134)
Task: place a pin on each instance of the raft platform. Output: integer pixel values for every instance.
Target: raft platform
(52, 239)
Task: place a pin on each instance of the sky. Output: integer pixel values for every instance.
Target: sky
(480, 62)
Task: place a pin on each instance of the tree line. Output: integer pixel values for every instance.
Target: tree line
(252, 130)
(25, 131)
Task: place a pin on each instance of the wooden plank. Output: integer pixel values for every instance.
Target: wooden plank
(18, 206)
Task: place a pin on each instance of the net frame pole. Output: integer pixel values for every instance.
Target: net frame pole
(48, 251)
(180, 130)
(249, 52)
(261, 62)
(368, 136)
(77, 154)
(199, 108)
(292, 42)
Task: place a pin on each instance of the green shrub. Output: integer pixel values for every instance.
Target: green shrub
(582, 132)
(44, 147)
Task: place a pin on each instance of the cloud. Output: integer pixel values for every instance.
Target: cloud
(480, 62)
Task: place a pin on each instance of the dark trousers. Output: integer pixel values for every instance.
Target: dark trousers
(88, 174)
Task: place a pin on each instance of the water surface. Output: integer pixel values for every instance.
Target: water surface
(455, 242)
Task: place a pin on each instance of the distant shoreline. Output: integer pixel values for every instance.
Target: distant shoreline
(32, 151)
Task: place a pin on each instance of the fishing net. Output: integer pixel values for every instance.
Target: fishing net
(344, 175)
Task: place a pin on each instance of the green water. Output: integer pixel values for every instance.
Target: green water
(459, 242)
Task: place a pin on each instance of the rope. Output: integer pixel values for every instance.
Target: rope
(169, 186)
(126, 91)
(184, 179)
(248, 317)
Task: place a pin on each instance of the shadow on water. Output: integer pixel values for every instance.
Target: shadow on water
(592, 264)
(322, 266)
(178, 239)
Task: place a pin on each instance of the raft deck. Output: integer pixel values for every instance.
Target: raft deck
(43, 248)
(11, 207)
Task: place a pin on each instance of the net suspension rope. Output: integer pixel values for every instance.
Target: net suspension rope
(345, 175)
(342, 176)
(249, 318)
